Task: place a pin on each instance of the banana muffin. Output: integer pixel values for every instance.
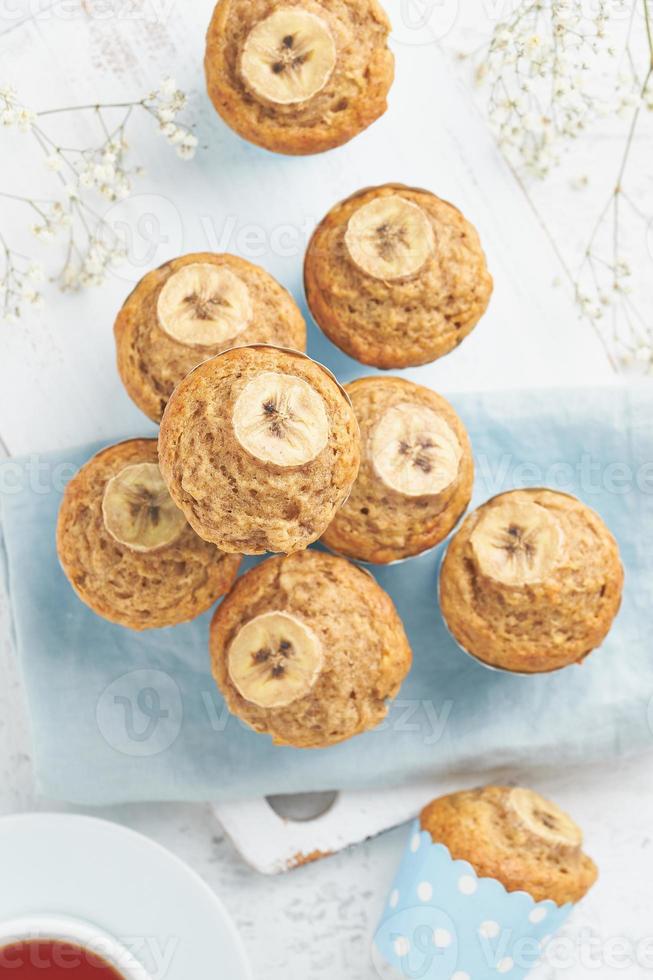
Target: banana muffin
(396, 277)
(308, 649)
(531, 582)
(259, 447)
(191, 309)
(299, 76)
(515, 836)
(128, 551)
(416, 474)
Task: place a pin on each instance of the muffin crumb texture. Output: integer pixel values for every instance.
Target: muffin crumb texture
(299, 76)
(159, 340)
(314, 644)
(416, 473)
(140, 589)
(400, 286)
(515, 836)
(531, 582)
(259, 447)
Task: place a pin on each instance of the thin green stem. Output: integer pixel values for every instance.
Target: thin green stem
(96, 107)
(649, 30)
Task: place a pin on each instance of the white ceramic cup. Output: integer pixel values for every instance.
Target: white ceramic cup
(60, 928)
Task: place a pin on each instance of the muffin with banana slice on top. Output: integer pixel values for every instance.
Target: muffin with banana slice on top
(416, 474)
(396, 277)
(259, 448)
(531, 582)
(299, 76)
(308, 649)
(191, 309)
(515, 836)
(128, 551)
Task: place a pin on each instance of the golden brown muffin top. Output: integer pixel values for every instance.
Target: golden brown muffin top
(300, 85)
(515, 836)
(416, 472)
(190, 309)
(308, 648)
(127, 551)
(395, 276)
(532, 581)
(259, 447)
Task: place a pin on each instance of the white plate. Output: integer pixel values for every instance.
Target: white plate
(124, 884)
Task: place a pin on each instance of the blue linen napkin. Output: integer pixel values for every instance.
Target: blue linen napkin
(119, 716)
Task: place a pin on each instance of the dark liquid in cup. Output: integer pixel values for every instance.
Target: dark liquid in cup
(47, 959)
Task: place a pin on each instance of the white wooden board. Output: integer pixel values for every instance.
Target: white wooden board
(237, 198)
(58, 387)
(58, 384)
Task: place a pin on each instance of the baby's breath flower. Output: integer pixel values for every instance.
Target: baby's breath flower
(100, 170)
(168, 86)
(540, 78)
(186, 152)
(178, 137)
(55, 162)
(166, 114)
(35, 272)
(25, 119)
(44, 233)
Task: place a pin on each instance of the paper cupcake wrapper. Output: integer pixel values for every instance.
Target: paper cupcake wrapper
(443, 922)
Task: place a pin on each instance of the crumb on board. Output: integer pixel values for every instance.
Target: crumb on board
(299, 860)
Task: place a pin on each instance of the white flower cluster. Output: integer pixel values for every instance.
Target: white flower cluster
(12, 113)
(552, 69)
(91, 243)
(90, 267)
(165, 104)
(53, 217)
(100, 169)
(18, 284)
(605, 292)
(545, 70)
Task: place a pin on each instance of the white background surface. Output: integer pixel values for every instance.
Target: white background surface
(58, 387)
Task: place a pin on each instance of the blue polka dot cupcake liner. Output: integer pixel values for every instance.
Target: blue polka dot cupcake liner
(443, 922)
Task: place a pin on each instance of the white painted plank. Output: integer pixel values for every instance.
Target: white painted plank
(58, 387)
(432, 136)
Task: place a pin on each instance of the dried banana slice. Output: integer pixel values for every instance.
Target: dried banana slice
(274, 660)
(138, 511)
(281, 419)
(289, 57)
(414, 451)
(390, 238)
(517, 542)
(544, 819)
(202, 305)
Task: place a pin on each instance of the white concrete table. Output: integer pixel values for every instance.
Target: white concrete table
(58, 387)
